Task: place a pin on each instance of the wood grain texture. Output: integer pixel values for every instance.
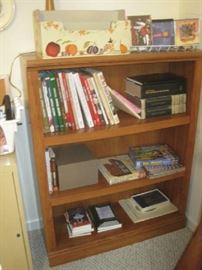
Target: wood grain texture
(178, 131)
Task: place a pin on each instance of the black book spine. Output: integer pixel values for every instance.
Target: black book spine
(155, 89)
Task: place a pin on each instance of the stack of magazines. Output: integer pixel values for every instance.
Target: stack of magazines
(158, 159)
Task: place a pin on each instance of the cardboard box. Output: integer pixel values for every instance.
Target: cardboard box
(76, 166)
(81, 32)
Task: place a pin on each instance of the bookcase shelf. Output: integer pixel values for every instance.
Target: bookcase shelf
(178, 131)
(104, 189)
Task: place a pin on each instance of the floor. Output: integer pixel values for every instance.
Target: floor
(159, 253)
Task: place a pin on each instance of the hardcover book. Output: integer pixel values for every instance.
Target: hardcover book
(141, 30)
(187, 32)
(163, 32)
(104, 217)
(157, 154)
(119, 169)
(156, 84)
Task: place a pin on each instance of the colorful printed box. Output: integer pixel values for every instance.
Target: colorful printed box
(85, 33)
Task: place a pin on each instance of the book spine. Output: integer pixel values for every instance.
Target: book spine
(89, 98)
(109, 100)
(46, 127)
(83, 100)
(97, 101)
(47, 103)
(75, 101)
(100, 101)
(124, 104)
(98, 76)
(56, 102)
(48, 171)
(145, 103)
(61, 100)
(153, 90)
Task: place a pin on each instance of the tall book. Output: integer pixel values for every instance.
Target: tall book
(78, 116)
(83, 100)
(69, 116)
(47, 103)
(105, 96)
(90, 99)
(56, 100)
(46, 127)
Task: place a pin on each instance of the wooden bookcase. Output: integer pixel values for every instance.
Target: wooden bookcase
(178, 131)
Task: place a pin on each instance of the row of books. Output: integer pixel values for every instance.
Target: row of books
(150, 161)
(75, 99)
(157, 94)
(164, 32)
(82, 221)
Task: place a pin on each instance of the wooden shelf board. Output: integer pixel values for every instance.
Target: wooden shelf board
(104, 189)
(38, 63)
(128, 126)
(80, 247)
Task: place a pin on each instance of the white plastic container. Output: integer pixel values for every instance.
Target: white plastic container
(7, 136)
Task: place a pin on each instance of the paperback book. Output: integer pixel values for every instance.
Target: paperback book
(157, 154)
(117, 169)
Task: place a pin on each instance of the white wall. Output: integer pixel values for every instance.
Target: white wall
(191, 9)
(18, 38)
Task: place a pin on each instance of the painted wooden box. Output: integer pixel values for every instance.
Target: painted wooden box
(81, 33)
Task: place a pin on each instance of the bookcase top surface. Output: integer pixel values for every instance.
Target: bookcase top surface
(33, 61)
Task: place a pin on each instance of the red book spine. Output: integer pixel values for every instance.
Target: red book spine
(89, 99)
(70, 114)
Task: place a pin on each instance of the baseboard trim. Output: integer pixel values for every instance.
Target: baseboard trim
(35, 224)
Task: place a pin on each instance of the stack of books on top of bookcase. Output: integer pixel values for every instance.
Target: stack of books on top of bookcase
(158, 159)
(157, 94)
(75, 99)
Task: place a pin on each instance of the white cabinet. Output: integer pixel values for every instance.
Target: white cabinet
(14, 245)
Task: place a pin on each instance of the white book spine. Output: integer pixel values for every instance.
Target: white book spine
(64, 97)
(75, 100)
(107, 95)
(92, 81)
(48, 170)
(83, 100)
(47, 103)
